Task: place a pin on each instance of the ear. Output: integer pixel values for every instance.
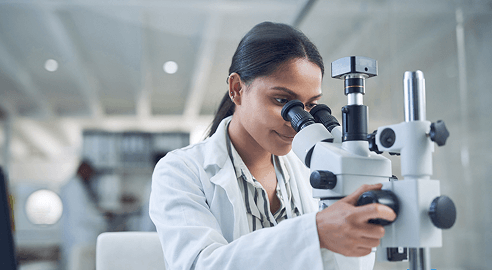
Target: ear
(236, 87)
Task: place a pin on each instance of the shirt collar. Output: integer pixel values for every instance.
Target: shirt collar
(240, 167)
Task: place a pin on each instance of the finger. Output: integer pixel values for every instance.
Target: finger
(372, 231)
(359, 252)
(373, 211)
(352, 198)
(369, 243)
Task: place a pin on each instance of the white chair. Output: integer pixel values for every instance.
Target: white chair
(129, 251)
(82, 257)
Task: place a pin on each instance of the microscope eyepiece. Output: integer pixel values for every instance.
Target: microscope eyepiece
(294, 112)
(322, 114)
(320, 107)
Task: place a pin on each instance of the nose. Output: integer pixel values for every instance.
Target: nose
(287, 123)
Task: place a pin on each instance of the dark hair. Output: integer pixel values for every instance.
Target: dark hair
(260, 53)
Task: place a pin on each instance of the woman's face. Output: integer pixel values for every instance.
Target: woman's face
(262, 101)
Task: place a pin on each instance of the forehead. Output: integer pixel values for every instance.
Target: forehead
(300, 76)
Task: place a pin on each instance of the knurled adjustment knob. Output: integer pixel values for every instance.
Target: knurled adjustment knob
(371, 139)
(323, 180)
(439, 133)
(387, 137)
(384, 197)
(442, 212)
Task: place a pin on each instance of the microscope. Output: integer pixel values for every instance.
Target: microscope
(342, 158)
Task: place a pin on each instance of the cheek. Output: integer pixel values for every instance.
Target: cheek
(261, 119)
(270, 118)
(258, 109)
(275, 113)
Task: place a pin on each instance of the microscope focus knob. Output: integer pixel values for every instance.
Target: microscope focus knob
(439, 133)
(385, 197)
(323, 180)
(371, 139)
(442, 212)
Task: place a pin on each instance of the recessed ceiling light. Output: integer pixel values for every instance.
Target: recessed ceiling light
(44, 207)
(51, 65)
(170, 67)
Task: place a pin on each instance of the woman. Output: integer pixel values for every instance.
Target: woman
(241, 199)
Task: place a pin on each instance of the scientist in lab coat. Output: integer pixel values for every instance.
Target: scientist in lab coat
(240, 199)
(82, 220)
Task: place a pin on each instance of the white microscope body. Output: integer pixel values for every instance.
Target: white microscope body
(343, 159)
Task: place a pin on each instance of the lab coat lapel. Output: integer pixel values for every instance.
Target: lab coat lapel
(226, 179)
(300, 188)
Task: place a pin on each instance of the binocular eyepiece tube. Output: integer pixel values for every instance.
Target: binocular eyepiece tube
(294, 112)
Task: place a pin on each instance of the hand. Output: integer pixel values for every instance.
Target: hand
(343, 228)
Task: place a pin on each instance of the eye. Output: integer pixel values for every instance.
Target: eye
(310, 106)
(281, 100)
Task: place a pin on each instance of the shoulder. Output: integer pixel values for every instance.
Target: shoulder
(210, 152)
(202, 154)
(187, 171)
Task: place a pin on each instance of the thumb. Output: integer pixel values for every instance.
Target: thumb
(352, 198)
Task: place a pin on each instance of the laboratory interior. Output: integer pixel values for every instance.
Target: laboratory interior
(93, 93)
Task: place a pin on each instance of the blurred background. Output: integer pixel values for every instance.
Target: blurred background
(121, 83)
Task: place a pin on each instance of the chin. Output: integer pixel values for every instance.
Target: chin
(282, 151)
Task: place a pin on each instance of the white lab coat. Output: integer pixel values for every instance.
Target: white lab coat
(200, 216)
(81, 221)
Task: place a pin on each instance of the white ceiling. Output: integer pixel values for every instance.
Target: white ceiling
(110, 58)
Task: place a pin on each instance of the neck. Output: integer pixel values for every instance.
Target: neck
(257, 159)
(252, 154)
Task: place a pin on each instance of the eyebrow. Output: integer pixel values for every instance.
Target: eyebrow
(292, 93)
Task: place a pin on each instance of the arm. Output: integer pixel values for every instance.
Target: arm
(191, 236)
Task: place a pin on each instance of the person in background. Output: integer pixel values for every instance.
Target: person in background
(241, 199)
(145, 223)
(82, 220)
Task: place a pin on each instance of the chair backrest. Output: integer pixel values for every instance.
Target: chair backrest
(129, 251)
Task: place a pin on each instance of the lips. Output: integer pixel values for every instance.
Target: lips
(285, 137)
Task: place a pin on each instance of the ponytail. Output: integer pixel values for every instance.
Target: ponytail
(226, 108)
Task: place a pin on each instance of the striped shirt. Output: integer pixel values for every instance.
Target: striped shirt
(255, 196)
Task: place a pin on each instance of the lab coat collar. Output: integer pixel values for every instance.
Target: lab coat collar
(216, 149)
(217, 160)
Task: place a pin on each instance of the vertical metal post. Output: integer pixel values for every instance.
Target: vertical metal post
(419, 258)
(416, 258)
(414, 95)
